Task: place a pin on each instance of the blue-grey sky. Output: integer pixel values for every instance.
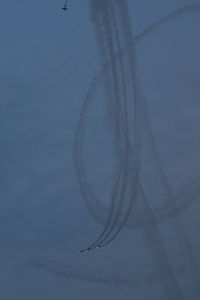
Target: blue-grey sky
(48, 59)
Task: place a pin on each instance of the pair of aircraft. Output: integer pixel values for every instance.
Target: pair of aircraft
(88, 249)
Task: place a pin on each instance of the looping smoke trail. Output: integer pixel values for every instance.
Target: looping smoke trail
(92, 203)
(108, 38)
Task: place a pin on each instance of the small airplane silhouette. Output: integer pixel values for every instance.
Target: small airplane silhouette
(65, 7)
(85, 250)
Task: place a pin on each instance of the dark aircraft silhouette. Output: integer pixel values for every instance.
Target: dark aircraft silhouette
(65, 6)
(85, 250)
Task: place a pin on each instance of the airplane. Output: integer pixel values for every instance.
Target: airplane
(82, 251)
(65, 6)
(85, 250)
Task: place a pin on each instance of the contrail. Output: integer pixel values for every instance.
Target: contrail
(93, 204)
(61, 269)
(106, 25)
(142, 127)
(185, 246)
(152, 234)
(125, 138)
(115, 209)
(111, 90)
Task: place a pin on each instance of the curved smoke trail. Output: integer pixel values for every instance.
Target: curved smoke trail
(96, 209)
(107, 37)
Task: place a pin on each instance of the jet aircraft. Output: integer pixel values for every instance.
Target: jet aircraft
(65, 6)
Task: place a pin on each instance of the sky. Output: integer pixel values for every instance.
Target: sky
(49, 59)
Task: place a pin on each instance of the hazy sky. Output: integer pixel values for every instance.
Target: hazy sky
(48, 58)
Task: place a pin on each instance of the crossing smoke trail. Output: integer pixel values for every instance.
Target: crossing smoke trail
(152, 234)
(97, 210)
(184, 243)
(143, 219)
(127, 187)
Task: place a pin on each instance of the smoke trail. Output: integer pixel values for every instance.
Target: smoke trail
(94, 206)
(119, 130)
(192, 8)
(64, 270)
(184, 243)
(163, 258)
(160, 258)
(112, 88)
(124, 125)
(116, 99)
(144, 128)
